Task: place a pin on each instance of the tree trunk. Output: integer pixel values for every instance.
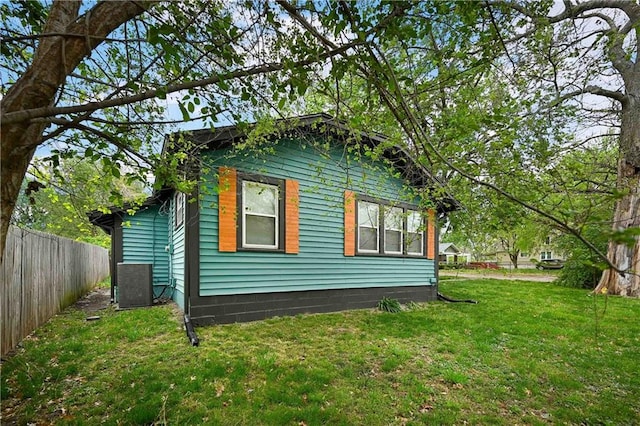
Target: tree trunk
(627, 213)
(514, 258)
(625, 257)
(54, 59)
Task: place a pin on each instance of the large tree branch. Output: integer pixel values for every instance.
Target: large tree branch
(103, 135)
(53, 60)
(594, 90)
(632, 9)
(589, 10)
(20, 116)
(83, 36)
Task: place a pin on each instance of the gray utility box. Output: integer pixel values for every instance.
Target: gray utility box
(135, 285)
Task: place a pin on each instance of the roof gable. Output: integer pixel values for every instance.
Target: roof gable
(320, 124)
(449, 248)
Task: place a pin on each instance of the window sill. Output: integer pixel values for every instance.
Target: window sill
(260, 250)
(396, 256)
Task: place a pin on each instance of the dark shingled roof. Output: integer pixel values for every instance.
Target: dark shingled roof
(418, 175)
(226, 136)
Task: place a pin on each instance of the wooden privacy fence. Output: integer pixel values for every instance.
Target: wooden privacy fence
(40, 275)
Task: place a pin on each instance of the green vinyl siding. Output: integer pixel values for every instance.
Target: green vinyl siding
(323, 177)
(177, 257)
(144, 240)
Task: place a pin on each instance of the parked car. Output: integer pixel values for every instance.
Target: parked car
(550, 264)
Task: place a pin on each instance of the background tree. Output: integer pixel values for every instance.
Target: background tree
(550, 55)
(584, 51)
(490, 224)
(97, 79)
(56, 199)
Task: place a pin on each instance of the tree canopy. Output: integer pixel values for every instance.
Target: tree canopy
(57, 199)
(477, 91)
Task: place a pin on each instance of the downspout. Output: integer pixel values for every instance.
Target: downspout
(191, 251)
(153, 237)
(112, 265)
(153, 252)
(188, 325)
(169, 250)
(116, 253)
(191, 332)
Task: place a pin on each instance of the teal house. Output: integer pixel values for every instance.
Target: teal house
(307, 219)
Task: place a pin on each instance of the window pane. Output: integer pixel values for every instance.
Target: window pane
(393, 241)
(414, 221)
(368, 214)
(260, 198)
(393, 218)
(414, 243)
(368, 239)
(260, 230)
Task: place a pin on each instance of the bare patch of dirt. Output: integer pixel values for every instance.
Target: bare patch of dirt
(96, 300)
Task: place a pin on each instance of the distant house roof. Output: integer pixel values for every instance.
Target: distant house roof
(105, 221)
(449, 248)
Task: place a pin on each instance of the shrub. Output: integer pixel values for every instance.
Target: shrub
(579, 274)
(583, 268)
(389, 305)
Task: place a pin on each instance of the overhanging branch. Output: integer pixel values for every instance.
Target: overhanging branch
(593, 90)
(25, 115)
(111, 139)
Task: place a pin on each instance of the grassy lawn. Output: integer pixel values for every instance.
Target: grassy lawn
(526, 354)
(505, 271)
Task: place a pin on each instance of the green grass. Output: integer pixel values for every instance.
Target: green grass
(105, 283)
(526, 354)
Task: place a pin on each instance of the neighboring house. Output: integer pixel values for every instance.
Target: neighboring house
(548, 250)
(449, 253)
(545, 251)
(307, 223)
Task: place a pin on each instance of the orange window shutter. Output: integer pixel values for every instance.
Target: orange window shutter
(227, 202)
(349, 223)
(431, 234)
(292, 217)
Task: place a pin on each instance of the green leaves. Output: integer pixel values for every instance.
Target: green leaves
(389, 305)
(73, 187)
(628, 236)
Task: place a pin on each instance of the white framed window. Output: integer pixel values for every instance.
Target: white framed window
(368, 227)
(389, 229)
(415, 233)
(260, 215)
(545, 255)
(393, 235)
